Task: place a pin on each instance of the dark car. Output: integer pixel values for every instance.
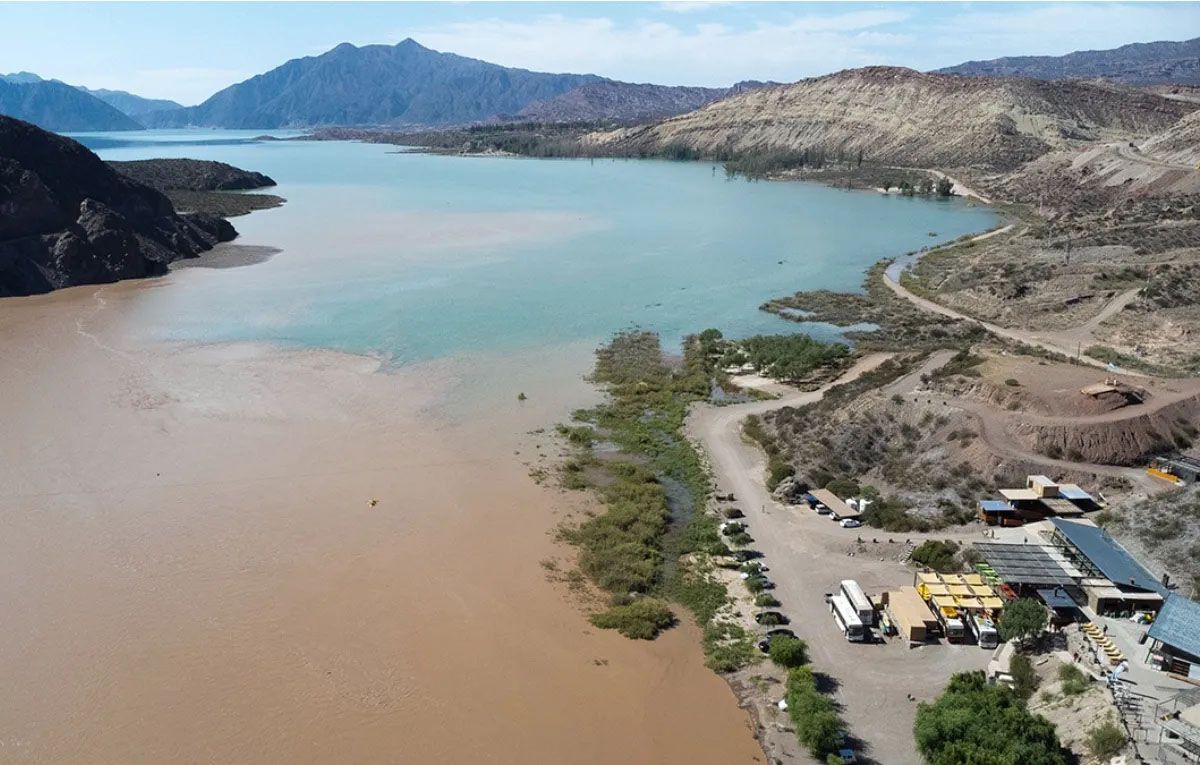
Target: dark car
(770, 618)
(732, 512)
(746, 555)
(780, 632)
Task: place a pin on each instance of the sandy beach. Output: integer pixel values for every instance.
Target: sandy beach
(191, 567)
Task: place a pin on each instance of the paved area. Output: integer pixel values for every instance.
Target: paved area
(808, 555)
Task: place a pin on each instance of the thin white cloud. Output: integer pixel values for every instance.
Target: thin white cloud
(669, 53)
(984, 32)
(691, 6)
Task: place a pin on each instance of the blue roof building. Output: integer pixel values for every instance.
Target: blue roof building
(1113, 580)
(1176, 633)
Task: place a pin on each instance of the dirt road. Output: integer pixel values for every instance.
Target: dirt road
(807, 556)
(1065, 342)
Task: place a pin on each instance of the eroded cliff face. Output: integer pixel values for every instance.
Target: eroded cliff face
(899, 116)
(67, 218)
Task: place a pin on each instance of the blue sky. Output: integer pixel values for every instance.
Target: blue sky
(187, 51)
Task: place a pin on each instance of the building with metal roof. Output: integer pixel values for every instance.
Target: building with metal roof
(1113, 580)
(1039, 499)
(1025, 565)
(1176, 635)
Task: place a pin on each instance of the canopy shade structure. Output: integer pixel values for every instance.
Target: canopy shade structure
(1018, 564)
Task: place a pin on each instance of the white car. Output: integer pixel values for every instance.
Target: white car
(822, 509)
(851, 523)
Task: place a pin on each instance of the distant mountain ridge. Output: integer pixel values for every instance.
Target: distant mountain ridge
(628, 102)
(404, 84)
(130, 104)
(56, 106)
(1137, 64)
(409, 85)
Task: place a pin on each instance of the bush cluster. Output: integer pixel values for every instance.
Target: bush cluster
(818, 725)
(974, 722)
(642, 619)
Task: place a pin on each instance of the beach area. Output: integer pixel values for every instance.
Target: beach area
(240, 552)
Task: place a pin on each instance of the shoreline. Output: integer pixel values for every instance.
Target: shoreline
(280, 573)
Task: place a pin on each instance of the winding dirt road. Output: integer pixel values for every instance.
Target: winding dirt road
(1064, 342)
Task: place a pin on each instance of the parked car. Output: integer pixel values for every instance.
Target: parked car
(746, 555)
(848, 756)
(764, 645)
(822, 509)
(733, 512)
(770, 618)
(780, 632)
(851, 523)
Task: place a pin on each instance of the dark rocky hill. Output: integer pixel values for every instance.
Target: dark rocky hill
(67, 218)
(56, 106)
(1155, 63)
(403, 84)
(191, 175)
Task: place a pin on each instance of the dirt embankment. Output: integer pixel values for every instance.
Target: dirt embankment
(1124, 437)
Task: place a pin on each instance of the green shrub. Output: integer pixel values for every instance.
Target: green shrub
(936, 554)
(740, 538)
(1025, 679)
(1074, 681)
(728, 647)
(766, 600)
(974, 722)
(818, 726)
(1022, 619)
(642, 619)
(1105, 741)
(789, 652)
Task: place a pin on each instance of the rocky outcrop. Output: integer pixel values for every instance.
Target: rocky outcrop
(896, 116)
(1178, 144)
(67, 218)
(191, 175)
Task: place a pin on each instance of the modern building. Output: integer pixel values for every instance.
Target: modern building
(1040, 499)
(1176, 637)
(1112, 581)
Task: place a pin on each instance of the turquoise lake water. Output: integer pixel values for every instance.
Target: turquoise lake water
(417, 257)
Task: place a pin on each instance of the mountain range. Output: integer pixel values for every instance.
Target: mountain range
(57, 106)
(410, 86)
(51, 104)
(1138, 64)
(896, 116)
